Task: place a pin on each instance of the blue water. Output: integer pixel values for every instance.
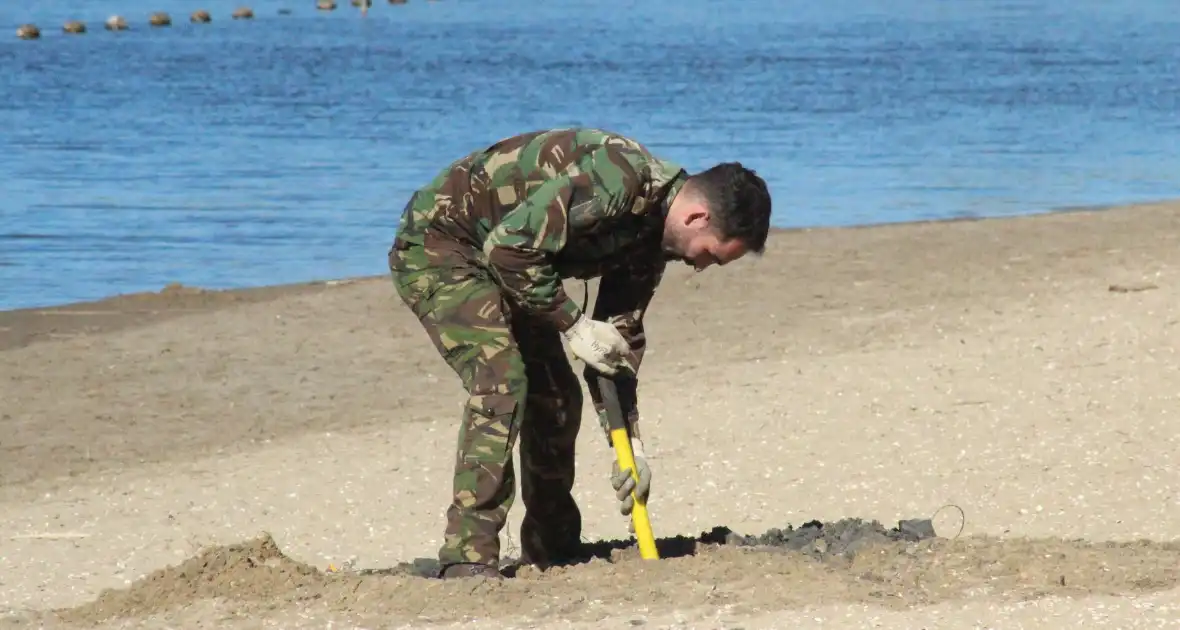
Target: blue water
(283, 149)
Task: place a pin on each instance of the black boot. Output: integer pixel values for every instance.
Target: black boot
(470, 569)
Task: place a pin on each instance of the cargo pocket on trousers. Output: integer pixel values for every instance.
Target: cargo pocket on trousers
(491, 428)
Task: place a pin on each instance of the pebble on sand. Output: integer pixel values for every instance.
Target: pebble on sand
(243, 13)
(116, 23)
(325, 5)
(28, 31)
(160, 19)
(200, 16)
(74, 27)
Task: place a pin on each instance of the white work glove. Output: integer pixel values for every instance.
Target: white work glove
(624, 483)
(599, 344)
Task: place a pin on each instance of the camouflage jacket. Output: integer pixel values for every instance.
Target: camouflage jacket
(562, 203)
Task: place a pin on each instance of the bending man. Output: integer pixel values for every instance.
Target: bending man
(479, 258)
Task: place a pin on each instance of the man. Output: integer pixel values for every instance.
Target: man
(479, 258)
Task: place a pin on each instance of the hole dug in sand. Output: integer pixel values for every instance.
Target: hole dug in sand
(850, 560)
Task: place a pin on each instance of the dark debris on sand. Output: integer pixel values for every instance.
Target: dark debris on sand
(840, 538)
(818, 540)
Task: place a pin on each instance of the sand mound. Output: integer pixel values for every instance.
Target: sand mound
(816, 563)
(251, 570)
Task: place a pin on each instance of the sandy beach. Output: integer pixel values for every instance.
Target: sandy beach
(1024, 370)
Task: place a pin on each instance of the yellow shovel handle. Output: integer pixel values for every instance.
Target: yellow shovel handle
(621, 440)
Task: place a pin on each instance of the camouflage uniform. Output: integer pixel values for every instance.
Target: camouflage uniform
(479, 257)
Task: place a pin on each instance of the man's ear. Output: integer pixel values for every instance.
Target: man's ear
(698, 217)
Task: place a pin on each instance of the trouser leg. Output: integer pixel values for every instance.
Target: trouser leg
(552, 525)
(464, 315)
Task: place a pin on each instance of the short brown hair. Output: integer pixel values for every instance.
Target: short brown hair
(738, 201)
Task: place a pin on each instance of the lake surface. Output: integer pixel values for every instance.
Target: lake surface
(282, 149)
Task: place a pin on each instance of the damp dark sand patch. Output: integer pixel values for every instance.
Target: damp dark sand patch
(850, 560)
(25, 326)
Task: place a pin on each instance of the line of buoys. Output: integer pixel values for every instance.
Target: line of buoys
(161, 19)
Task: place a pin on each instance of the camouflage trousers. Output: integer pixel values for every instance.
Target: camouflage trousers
(519, 383)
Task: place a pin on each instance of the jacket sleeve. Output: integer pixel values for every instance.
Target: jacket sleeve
(623, 298)
(521, 246)
(520, 249)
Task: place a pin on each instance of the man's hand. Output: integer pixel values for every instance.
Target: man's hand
(623, 483)
(599, 344)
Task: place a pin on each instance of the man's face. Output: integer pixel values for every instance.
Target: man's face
(694, 242)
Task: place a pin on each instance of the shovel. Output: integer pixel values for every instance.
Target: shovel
(621, 440)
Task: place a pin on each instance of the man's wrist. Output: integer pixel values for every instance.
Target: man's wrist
(567, 314)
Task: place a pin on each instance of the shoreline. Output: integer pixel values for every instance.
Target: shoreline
(214, 297)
